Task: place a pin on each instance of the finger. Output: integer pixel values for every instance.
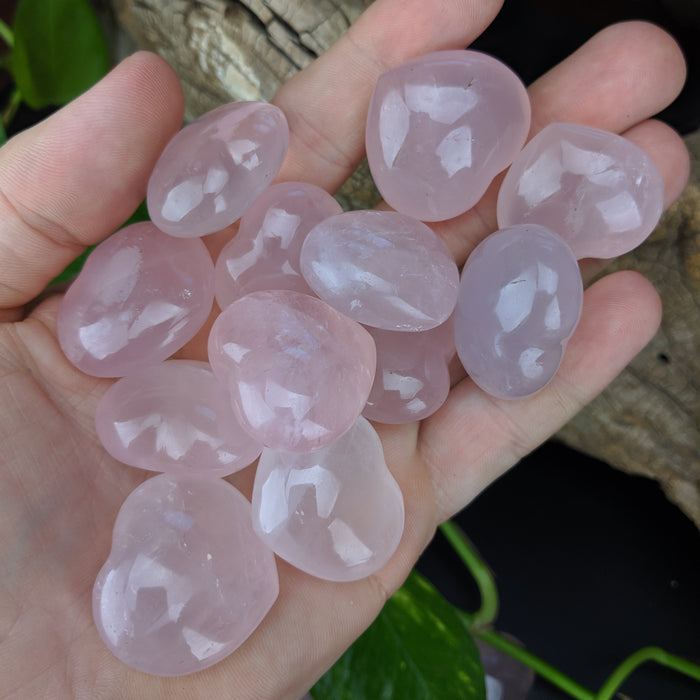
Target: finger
(73, 179)
(621, 313)
(622, 76)
(326, 104)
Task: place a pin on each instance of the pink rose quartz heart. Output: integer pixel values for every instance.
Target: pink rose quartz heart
(298, 371)
(174, 417)
(519, 302)
(213, 169)
(412, 378)
(382, 269)
(336, 513)
(440, 127)
(264, 254)
(140, 297)
(599, 191)
(187, 580)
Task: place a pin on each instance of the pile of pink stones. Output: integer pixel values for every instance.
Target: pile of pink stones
(326, 317)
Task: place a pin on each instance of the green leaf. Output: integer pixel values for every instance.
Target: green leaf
(59, 50)
(417, 649)
(3, 133)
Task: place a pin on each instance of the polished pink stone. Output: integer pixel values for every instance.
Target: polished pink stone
(213, 169)
(599, 191)
(140, 297)
(412, 378)
(382, 269)
(298, 371)
(174, 417)
(187, 579)
(264, 254)
(519, 302)
(440, 127)
(336, 513)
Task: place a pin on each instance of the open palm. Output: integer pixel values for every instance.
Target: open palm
(73, 179)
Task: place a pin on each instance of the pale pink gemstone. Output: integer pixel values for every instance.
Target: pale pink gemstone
(187, 580)
(519, 302)
(213, 169)
(336, 513)
(174, 417)
(412, 378)
(382, 269)
(264, 254)
(140, 297)
(298, 371)
(440, 127)
(599, 191)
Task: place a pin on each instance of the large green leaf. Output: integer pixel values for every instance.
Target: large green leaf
(417, 649)
(59, 50)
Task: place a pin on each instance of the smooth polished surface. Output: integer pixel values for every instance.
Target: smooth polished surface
(336, 513)
(599, 191)
(440, 127)
(298, 371)
(382, 269)
(213, 169)
(140, 297)
(187, 580)
(520, 299)
(174, 417)
(264, 254)
(412, 378)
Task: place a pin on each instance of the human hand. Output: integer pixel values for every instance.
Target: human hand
(72, 180)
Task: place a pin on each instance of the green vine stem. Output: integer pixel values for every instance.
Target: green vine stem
(481, 573)
(480, 623)
(6, 34)
(12, 107)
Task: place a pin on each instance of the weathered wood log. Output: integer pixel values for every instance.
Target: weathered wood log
(648, 421)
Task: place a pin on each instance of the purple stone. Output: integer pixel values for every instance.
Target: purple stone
(336, 513)
(440, 127)
(519, 302)
(264, 254)
(412, 378)
(298, 371)
(187, 579)
(174, 417)
(382, 269)
(599, 191)
(140, 297)
(213, 169)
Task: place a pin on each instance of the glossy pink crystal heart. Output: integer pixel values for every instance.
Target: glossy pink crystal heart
(140, 297)
(412, 378)
(519, 302)
(174, 417)
(264, 254)
(213, 169)
(187, 580)
(298, 371)
(599, 191)
(335, 513)
(382, 269)
(440, 127)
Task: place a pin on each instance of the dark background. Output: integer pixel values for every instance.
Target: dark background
(591, 564)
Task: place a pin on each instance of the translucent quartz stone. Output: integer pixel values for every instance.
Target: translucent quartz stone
(187, 579)
(299, 372)
(140, 297)
(336, 513)
(382, 269)
(519, 302)
(599, 191)
(213, 169)
(174, 417)
(412, 378)
(264, 254)
(440, 127)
